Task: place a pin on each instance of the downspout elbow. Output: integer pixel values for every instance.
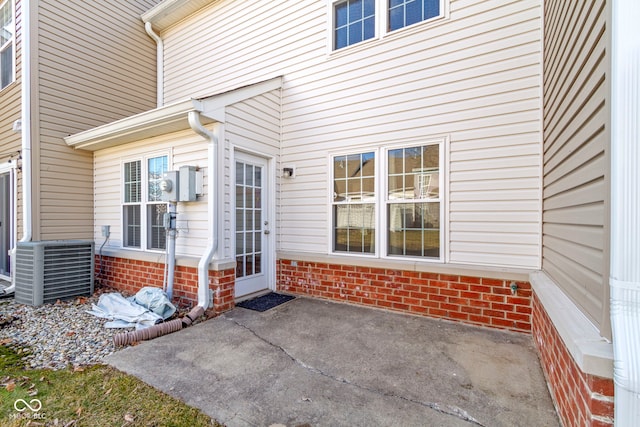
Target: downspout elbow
(160, 62)
(212, 244)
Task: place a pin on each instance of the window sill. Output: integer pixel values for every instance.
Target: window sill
(8, 86)
(365, 44)
(159, 257)
(410, 265)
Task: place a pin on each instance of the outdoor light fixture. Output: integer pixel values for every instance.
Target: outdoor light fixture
(289, 172)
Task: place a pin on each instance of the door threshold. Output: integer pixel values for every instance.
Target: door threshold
(253, 295)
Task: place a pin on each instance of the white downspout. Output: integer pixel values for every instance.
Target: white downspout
(25, 97)
(625, 209)
(160, 62)
(212, 197)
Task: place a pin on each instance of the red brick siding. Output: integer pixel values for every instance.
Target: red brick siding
(473, 300)
(222, 283)
(130, 276)
(581, 399)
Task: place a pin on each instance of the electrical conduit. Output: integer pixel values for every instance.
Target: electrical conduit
(171, 249)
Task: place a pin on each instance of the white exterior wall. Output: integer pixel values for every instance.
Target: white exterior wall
(474, 78)
(184, 149)
(252, 126)
(249, 125)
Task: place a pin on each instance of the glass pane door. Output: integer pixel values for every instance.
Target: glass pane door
(252, 225)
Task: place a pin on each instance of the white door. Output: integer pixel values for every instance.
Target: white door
(5, 223)
(252, 224)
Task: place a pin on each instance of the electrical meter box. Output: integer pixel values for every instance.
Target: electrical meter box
(170, 187)
(189, 184)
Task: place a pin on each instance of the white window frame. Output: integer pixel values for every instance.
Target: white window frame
(381, 24)
(332, 8)
(10, 44)
(381, 199)
(376, 174)
(144, 203)
(423, 22)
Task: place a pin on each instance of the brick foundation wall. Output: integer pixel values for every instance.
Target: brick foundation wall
(581, 399)
(130, 276)
(472, 300)
(222, 283)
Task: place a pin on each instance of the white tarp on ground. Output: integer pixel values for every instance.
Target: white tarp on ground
(148, 307)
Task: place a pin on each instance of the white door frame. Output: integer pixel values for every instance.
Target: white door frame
(9, 168)
(268, 208)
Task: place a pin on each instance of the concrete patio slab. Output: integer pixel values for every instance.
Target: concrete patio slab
(328, 364)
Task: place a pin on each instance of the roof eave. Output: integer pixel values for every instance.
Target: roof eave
(168, 12)
(160, 121)
(167, 119)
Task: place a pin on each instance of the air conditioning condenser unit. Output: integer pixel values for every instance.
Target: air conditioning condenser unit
(48, 271)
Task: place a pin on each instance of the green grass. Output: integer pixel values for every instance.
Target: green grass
(93, 396)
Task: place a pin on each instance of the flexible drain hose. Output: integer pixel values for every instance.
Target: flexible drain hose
(127, 338)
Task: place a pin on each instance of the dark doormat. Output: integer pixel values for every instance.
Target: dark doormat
(265, 302)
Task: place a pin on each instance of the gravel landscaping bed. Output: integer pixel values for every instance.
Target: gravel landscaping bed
(56, 336)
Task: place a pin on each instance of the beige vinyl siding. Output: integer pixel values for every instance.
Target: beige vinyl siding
(252, 126)
(184, 148)
(10, 140)
(473, 79)
(96, 64)
(576, 119)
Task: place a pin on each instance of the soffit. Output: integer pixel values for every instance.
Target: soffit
(168, 12)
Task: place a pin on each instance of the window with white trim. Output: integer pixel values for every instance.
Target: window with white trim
(142, 209)
(354, 21)
(413, 201)
(354, 203)
(400, 213)
(7, 43)
(403, 13)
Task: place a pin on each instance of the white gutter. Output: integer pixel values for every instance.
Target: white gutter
(625, 209)
(25, 98)
(212, 244)
(160, 62)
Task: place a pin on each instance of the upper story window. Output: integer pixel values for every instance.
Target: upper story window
(354, 21)
(7, 41)
(142, 208)
(403, 13)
